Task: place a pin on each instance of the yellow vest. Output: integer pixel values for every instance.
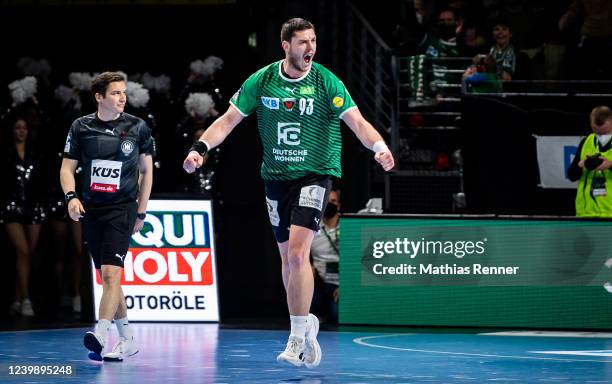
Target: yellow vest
(589, 204)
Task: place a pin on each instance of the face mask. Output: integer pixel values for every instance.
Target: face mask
(604, 139)
(446, 31)
(419, 18)
(330, 211)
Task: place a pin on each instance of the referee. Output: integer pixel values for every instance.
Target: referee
(114, 150)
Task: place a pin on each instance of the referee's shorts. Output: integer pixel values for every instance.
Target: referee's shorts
(108, 230)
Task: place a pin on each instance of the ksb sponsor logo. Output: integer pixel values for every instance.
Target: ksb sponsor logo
(173, 248)
(289, 133)
(105, 175)
(270, 102)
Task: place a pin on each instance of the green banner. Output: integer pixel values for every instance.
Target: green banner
(476, 272)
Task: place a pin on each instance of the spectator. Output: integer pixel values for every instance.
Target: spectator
(481, 77)
(325, 257)
(591, 167)
(503, 51)
(595, 42)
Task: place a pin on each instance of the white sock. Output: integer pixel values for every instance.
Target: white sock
(102, 328)
(299, 324)
(123, 327)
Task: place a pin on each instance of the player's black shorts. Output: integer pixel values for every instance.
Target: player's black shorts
(298, 202)
(107, 231)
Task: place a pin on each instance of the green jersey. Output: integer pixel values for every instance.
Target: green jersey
(298, 120)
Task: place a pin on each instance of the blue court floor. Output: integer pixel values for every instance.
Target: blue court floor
(204, 353)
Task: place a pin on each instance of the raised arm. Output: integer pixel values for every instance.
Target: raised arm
(369, 137)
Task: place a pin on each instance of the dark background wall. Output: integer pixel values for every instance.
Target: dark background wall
(164, 39)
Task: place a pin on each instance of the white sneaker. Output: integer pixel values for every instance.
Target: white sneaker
(312, 349)
(294, 352)
(15, 308)
(76, 304)
(122, 348)
(95, 344)
(26, 308)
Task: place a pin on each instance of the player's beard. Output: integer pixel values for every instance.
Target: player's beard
(296, 63)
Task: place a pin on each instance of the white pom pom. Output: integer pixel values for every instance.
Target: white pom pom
(64, 94)
(207, 67)
(160, 84)
(200, 103)
(137, 96)
(23, 89)
(29, 66)
(81, 80)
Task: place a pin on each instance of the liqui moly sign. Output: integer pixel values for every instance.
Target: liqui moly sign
(169, 271)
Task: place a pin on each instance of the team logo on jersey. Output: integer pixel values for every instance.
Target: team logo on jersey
(270, 102)
(127, 147)
(307, 90)
(289, 133)
(289, 103)
(338, 102)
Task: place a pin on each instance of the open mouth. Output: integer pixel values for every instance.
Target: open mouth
(308, 58)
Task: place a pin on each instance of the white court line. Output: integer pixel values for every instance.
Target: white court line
(598, 335)
(361, 341)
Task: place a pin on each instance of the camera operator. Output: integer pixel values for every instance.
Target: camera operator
(591, 167)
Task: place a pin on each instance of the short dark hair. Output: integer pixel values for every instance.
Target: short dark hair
(600, 115)
(100, 83)
(294, 25)
(502, 20)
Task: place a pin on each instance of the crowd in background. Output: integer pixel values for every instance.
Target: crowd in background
(536, 40)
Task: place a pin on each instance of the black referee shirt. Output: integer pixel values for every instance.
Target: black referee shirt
(108, 153)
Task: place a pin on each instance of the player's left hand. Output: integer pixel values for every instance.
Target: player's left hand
(385, 159)
(138, 226)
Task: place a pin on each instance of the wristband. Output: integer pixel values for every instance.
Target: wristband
(380, 146)
(70, 195)
(200, 147)
(141, 216)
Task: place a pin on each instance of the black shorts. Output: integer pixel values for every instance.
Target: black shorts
(107, 231)
(297, 202)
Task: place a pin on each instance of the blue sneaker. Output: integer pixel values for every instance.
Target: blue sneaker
(95, 344)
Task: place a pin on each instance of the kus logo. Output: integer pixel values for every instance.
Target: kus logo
(172, 249)
(105, 175)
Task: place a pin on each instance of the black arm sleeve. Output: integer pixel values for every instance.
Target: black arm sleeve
(72, 148)
(574, 171)
(145, 144)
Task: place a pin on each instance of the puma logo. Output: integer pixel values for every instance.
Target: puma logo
(120, 257)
